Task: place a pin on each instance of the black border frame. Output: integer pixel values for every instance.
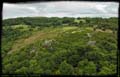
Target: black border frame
(39, 75)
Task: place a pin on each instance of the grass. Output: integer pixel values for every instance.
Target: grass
(69, 28)
(18, 44)
(47, 33)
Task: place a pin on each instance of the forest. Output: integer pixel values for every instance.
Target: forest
(59, 46)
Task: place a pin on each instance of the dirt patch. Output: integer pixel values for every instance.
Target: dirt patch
(24, 42)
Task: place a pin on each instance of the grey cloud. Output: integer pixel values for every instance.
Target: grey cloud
(61, 9)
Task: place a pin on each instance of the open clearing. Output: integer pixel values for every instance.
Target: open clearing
(46, 33)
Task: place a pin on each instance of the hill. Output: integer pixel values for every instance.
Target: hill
(59, 46)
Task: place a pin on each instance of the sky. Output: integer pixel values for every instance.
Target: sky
(61, 9)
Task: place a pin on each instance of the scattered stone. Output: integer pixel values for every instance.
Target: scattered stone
(48, 44)
(33, 50)
(91, 43)
(74, 31)
(88, 34)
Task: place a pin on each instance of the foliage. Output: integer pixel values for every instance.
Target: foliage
(68, 52)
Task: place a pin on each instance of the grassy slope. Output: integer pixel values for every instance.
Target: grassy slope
(39, 35)
(67, 39)
(46, 33)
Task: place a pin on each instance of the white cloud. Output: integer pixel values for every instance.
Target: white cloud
(101, 8)
(61, 9)
(33, 9)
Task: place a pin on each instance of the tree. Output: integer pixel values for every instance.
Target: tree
(95, 27)
(7, 68)
(22, 70)
(107, 45)
(90, 69)
(57, 72)
(72, 53)
(73, 60)
(86, 67)
(33, 64)
(105, 71)
(95, 56)
(65, 68)
(107, 68)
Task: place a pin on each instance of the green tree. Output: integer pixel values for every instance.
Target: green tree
(73, 60)
(86, 67)
(65, 68)
(107, 68)
(105, 71)
(22, 70)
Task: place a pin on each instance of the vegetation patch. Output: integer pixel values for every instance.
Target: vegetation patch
(59, 46)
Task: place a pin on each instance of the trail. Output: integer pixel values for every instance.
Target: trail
(26, 41)
(46, 33)
(107, 31)
(21, 43)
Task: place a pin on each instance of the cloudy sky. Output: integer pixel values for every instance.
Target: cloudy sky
(61, 9)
